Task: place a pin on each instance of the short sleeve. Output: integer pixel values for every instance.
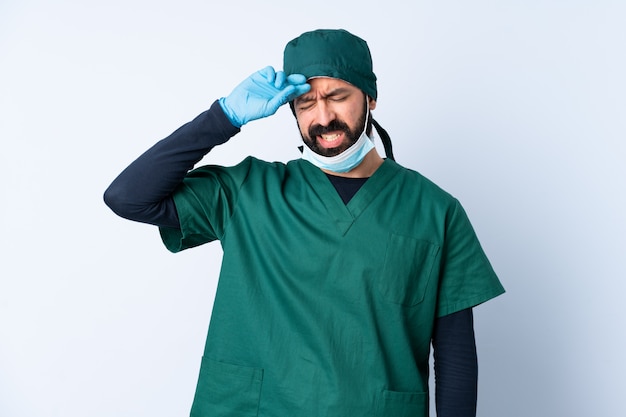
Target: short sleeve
(205, 202)
(467, 277)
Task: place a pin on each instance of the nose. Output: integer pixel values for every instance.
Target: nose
(325, 113)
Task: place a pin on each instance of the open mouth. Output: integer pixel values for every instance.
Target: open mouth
(330, 140)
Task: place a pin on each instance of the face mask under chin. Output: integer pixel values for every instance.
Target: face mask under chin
(346, 160)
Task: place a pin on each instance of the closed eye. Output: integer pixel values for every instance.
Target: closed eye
(304, 105)
(337, 98)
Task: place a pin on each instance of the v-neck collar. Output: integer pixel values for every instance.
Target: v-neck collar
(345, 215)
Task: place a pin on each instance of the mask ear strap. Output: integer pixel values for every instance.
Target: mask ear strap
(384, 136)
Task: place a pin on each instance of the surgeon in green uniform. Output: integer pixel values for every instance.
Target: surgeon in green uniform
(340, 269)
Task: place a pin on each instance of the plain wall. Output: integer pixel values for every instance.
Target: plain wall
(515, 107)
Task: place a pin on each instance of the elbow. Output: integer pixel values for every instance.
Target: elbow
(110, 197)
(115, 200)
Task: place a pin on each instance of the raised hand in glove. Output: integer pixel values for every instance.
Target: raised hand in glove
(261, 94)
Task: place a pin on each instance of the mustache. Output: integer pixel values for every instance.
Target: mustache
(334, 125)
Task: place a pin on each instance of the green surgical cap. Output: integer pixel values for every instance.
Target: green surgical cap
(332, 53)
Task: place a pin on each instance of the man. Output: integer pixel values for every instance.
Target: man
(339, 269)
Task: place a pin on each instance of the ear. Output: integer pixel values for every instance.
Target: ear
(372, 103)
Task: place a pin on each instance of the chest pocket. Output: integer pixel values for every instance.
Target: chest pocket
(407, 269)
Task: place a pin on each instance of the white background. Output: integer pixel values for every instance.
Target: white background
(515, 107)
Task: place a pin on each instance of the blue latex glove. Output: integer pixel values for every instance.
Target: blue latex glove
(261, 94)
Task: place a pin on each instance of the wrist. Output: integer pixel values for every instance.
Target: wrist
(230, 115)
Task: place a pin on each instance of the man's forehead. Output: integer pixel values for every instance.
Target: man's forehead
(328, 85)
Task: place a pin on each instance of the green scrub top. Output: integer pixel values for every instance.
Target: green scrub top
(323, 308)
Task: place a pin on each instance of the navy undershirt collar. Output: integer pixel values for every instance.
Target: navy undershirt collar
(345, 186)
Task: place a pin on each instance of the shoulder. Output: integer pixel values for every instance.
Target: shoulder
(249, 165)
(416, 184)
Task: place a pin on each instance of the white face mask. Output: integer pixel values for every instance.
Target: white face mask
(346, 160)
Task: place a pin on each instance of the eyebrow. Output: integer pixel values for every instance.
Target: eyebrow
(336, 92)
